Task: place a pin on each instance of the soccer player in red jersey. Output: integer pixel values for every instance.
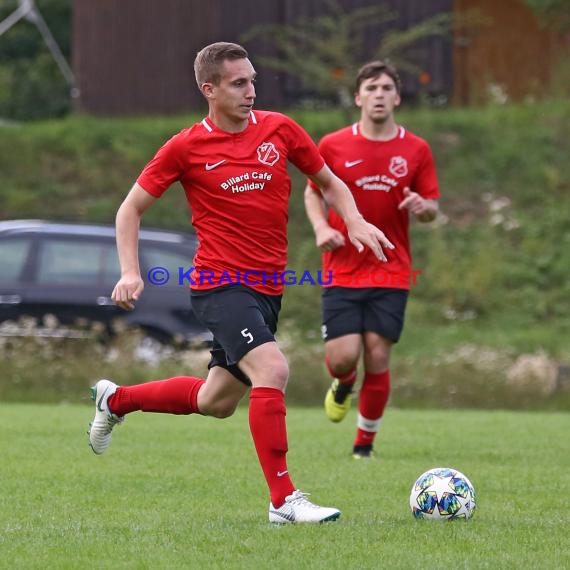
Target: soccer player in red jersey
(390, 173)
(232, 166)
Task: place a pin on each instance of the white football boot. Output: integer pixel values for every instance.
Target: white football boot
(104, 421)
(298, 509)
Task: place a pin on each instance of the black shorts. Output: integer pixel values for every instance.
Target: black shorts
(240, 319)
(353, 311)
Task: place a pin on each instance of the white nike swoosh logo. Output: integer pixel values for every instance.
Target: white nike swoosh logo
(351, 163)
(212, 166)
(281, 473)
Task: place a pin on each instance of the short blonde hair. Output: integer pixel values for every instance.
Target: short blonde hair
(209, 60)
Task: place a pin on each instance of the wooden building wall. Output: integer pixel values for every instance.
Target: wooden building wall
(509, 54)
(136, 56)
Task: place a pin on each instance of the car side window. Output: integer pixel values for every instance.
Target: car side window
(13, 255)
(172, 261)
(77, 262)
(111, 269)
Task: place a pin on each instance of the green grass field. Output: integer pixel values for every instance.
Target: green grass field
(187, 492)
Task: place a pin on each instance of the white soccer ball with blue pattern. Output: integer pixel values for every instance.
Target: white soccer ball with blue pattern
(442, 494)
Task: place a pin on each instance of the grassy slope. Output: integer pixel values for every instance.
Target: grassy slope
(495, 271)
(186, 492)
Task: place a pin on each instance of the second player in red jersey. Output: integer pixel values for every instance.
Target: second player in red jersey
(391, 174)
(378, 172)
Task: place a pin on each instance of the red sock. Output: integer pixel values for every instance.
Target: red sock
(348, 378)
(372, 400)
(267, 424)
(177, 395)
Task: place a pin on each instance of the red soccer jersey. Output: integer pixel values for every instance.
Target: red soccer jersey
(376, 173)
(238, 189)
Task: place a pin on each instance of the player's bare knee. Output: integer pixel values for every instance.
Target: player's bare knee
(342, 363)
(379, 359)
(277, 374)
(281, 374)
(266, 366)
(274, 373)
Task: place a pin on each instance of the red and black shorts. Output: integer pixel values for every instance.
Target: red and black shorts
(346, 310)
(240, 319)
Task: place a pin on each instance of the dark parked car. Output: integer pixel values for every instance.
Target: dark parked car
(69, 271)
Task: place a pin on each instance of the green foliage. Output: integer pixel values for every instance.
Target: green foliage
(554, 13)
(188, 493)
(84, 166)
(31, 84)
(498, 255)
(494, 266)
(69, 364)
(35, 91)
(326, 52)
(476, 374)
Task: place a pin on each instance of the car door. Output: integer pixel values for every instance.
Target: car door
(73, 279)
(166, 302)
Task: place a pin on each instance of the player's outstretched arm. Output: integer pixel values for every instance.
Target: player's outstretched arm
(360, 232)
(130, 286)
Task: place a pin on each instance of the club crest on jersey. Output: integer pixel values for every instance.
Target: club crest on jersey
(398, 166)
(267, 153)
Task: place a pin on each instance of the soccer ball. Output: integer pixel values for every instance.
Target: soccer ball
(442, 494)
